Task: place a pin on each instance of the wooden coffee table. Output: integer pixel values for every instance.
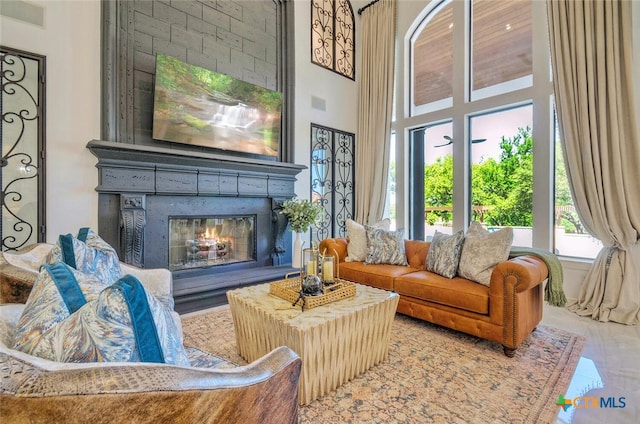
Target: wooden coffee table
(336, 341)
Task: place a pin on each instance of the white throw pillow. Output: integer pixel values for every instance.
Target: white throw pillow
(482, 251)
(357, 248)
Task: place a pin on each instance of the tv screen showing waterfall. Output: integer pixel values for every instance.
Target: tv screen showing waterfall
(193, 105)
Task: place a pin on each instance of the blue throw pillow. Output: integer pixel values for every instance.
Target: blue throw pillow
(89, 254)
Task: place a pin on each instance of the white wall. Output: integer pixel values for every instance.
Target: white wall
(70, 40)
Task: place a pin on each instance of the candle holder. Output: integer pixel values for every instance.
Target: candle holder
(310, 261)
(328, 270)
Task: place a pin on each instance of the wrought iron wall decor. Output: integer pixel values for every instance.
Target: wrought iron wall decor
(22, 139)
(332, 172)
(333, 34)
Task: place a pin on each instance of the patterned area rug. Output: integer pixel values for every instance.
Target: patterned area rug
(432, 374)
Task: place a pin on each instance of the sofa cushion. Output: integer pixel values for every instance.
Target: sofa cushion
(385, 247)
(444, 253)
(482, 251)
(456, 292)
(356, 233)
(380, 276)
(87, 253)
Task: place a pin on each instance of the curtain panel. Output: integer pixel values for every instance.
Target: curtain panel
(375, 108)
(591, 57)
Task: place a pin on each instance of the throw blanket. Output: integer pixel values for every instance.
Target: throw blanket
(553, 292)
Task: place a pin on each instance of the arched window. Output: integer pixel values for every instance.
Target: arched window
(333, 36)
(479, 125)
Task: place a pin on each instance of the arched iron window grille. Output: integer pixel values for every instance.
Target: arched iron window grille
(333, 36)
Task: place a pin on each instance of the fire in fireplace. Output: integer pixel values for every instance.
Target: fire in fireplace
(211, 241)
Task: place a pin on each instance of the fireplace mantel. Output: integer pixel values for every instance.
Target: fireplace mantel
(140, 187)
(129, 168)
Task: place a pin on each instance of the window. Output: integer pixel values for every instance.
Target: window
(432, 70)
(478, 122)
(501, 46)
(475, 127)
(432, 150)
(333, 36)
(502, 171)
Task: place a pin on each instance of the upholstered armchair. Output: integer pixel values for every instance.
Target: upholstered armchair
(37, 390)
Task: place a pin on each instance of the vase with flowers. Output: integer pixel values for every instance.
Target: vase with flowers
(301, 213)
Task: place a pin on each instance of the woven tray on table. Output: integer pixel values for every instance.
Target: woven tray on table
(289, 289)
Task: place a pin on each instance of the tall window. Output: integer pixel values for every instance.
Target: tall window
(479, 125)
(474, 154)
(333, 36)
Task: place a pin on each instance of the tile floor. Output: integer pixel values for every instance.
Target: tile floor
(609, 368)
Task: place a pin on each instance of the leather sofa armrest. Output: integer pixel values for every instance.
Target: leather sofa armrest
(264, 391)
(515, 298)
(335, 246)
(518, 274)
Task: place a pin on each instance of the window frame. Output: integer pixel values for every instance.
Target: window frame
(463, 107)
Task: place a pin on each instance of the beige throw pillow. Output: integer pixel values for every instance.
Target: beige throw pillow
(357, 248)
(482, 251)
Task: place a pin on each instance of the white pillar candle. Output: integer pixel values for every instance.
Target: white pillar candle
(327, 271)
(312, 268)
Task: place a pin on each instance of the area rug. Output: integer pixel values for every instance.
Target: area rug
(432, 374)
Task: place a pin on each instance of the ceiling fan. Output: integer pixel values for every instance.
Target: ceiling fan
(450, 141)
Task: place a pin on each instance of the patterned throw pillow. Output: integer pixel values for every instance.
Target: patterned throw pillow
(482, 251)
(385, 247)
(124, 323)
(357, 247)
(89, 254)
(54, 298)
(444, 253)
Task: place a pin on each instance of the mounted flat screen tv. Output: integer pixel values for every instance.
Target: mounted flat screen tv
(196, 106)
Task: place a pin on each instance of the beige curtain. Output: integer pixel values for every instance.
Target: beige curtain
(592, 72)
(375, 93)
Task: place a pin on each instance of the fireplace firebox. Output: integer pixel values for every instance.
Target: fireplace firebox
(211, 241)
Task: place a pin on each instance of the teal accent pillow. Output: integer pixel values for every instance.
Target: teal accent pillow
(89, 254)
(385, 247)
(123, 323)
(54, 298)
(444, 253)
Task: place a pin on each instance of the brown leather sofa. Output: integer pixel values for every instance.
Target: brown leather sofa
(505, 312)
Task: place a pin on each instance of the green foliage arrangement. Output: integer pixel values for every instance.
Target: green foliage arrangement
(301, 213)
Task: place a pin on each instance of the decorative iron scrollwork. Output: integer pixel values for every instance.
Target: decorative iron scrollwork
(332, 172)
(333, 36)
(21, 134)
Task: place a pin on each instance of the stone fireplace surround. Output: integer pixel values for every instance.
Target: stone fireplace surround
(140, 187)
